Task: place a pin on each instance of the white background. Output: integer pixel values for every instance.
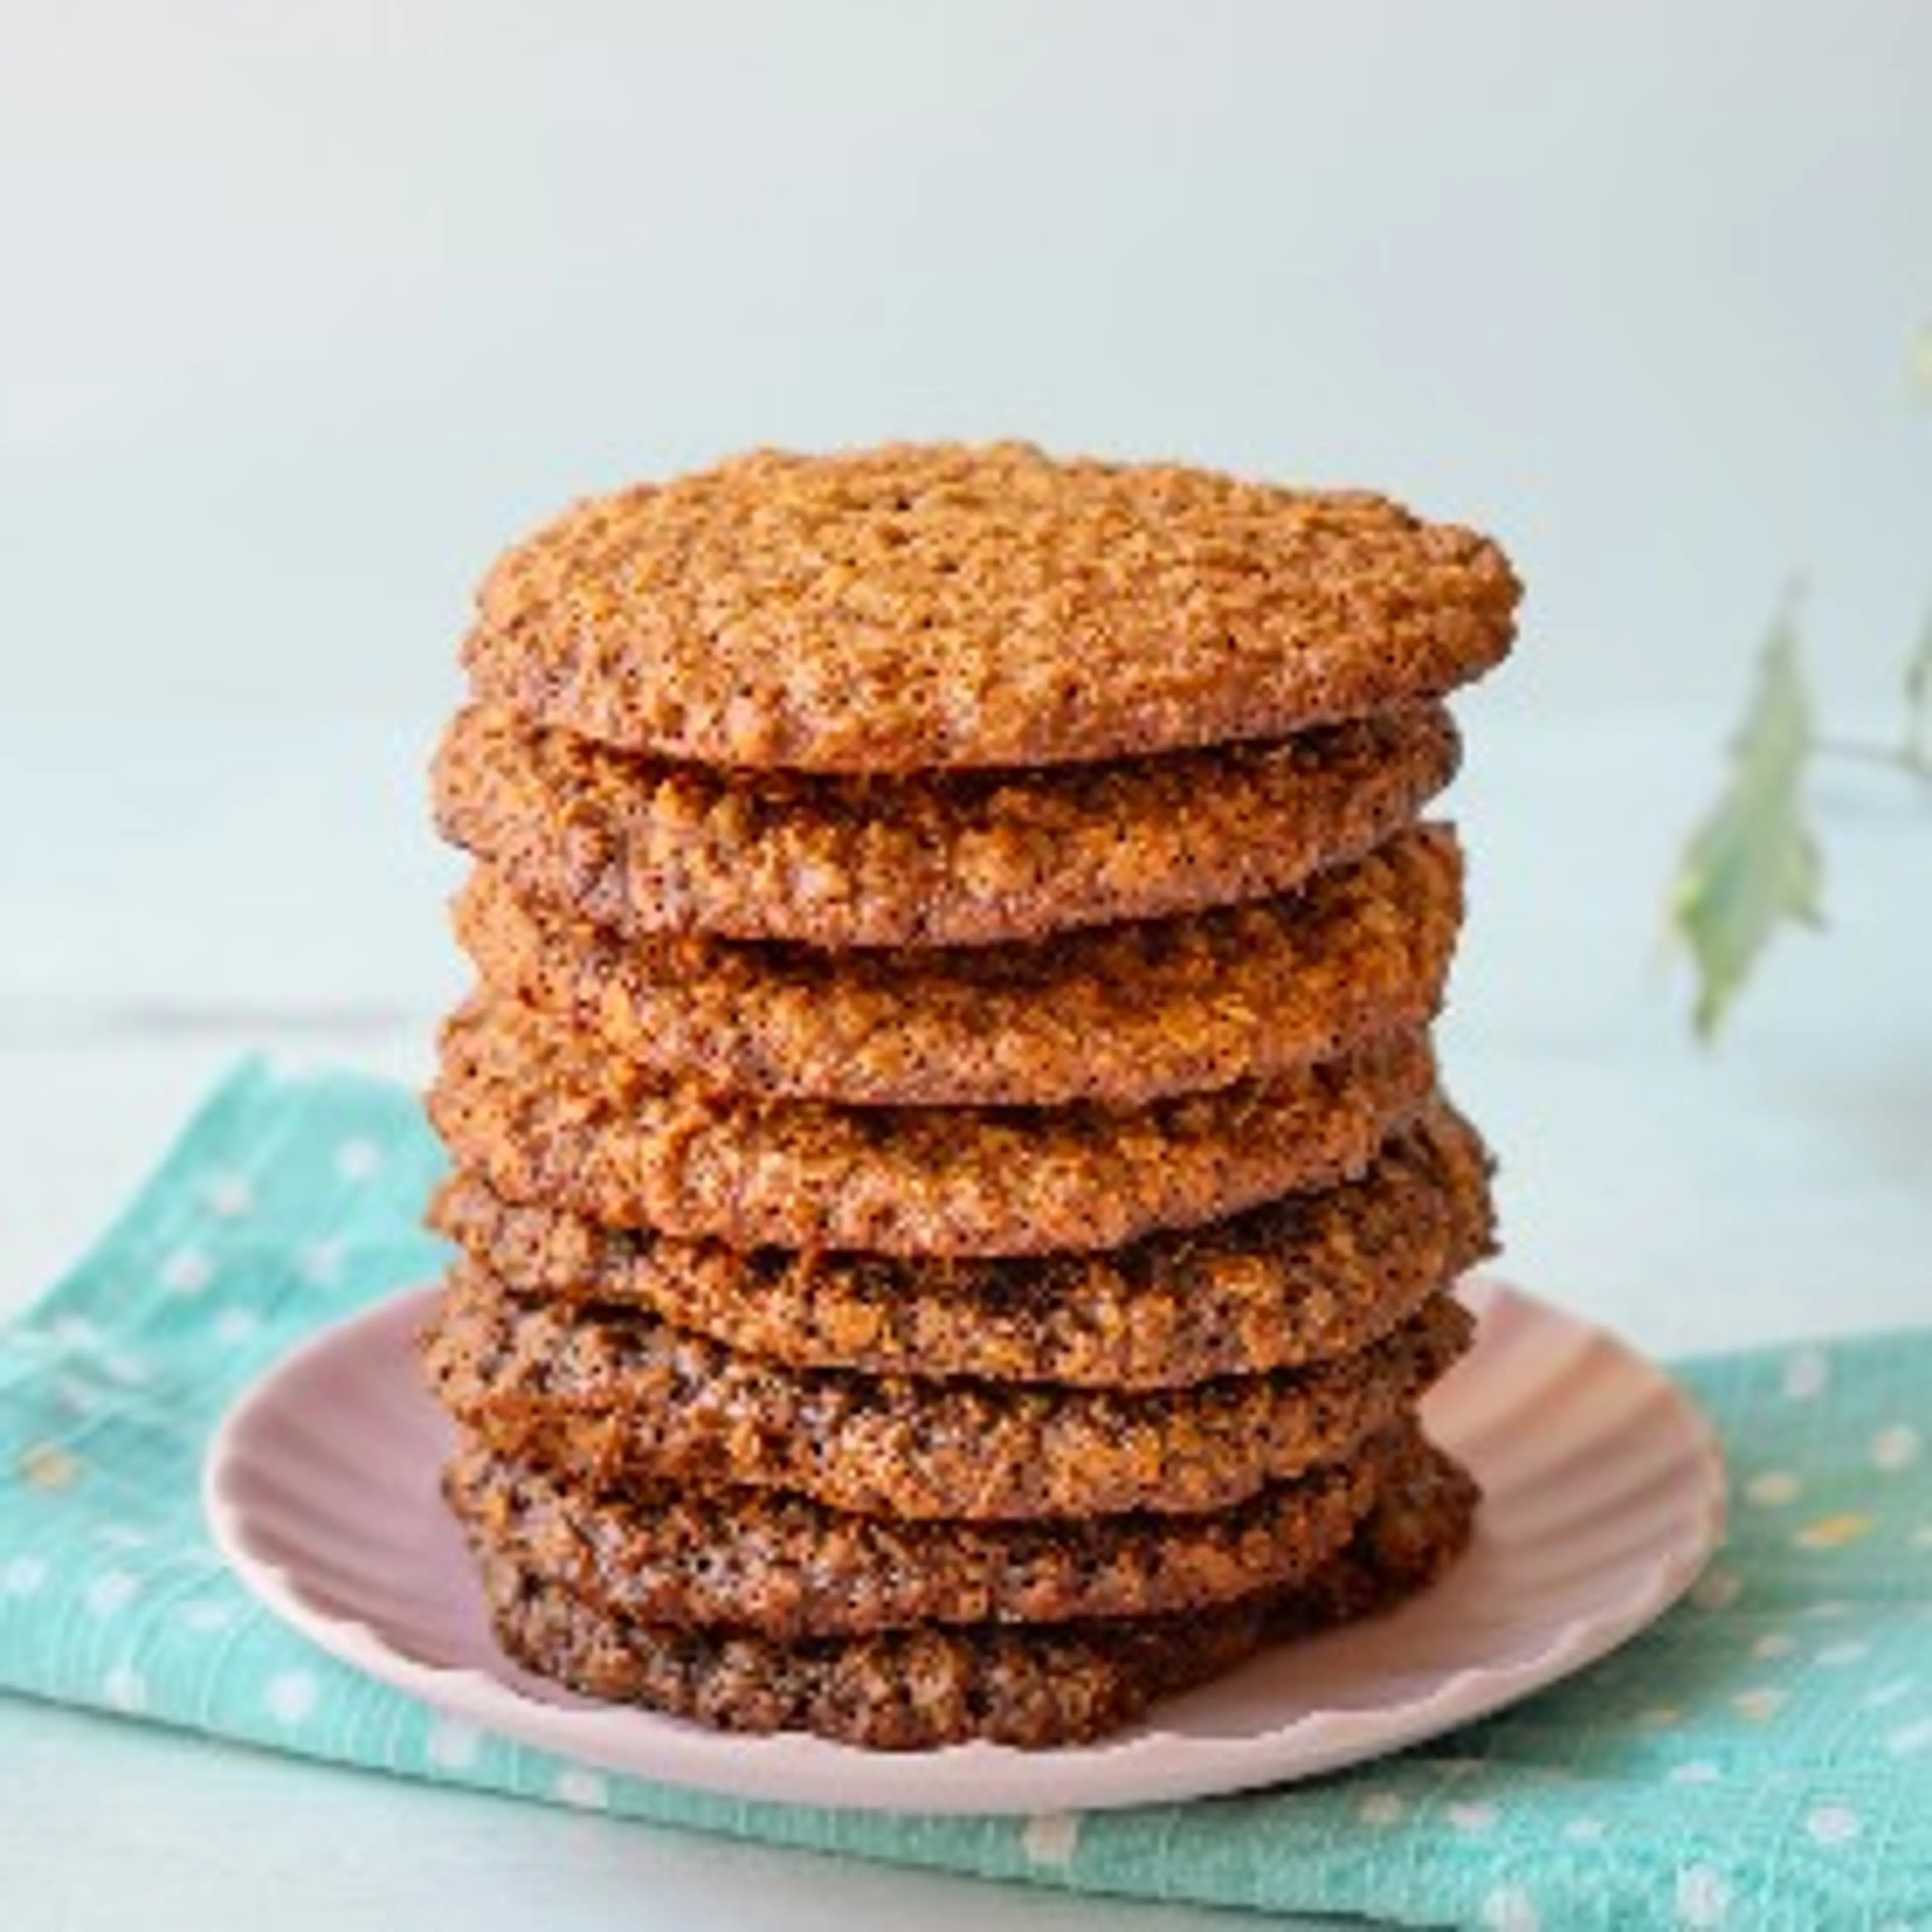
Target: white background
(308, 309)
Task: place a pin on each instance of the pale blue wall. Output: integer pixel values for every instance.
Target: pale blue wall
(307, 308)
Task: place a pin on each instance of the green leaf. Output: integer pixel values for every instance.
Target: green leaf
(1752, 863)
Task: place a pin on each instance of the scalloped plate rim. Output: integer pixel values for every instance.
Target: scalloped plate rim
(1144, 1764)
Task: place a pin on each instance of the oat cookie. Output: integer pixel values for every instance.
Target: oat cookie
(546, 1116)
(1296, 1280)
(641, 846)
(786, 1566)
(615, 1396)
(914, 607)
(1034, 1686)
(1120, 1014)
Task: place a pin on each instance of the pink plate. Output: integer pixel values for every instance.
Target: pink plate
(1603, 1495)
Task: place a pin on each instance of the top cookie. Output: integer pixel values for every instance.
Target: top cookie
(920, 607)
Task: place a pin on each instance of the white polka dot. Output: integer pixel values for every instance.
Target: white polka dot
(1774, 1643)
(1585, 1830)
(23, 1576)
(233, 1326)
(1474, 1816)
(1828, 1609)
(290, 1696)
(1833, 1825)
(122, 1536)
(1898, 1448)
(1052, 1837)
(1701, 1772)
(186, 1271)
(207, 1614)
(453, 1745)
(1381, 1808)
(1757, 1705)
(1659, 1717)
(1511, 1909)
(357, 1158)
(1717, 1590)
(125, 1689)
(1773, 1489)
(1806, 1373)
(77, 1397)
(321, 1263)
(112, 1590)
(1836, 1656)
(1703, 1897)
(1886, 1695)
(1910, 1739)
(228, 1195)
(74, 1331)
(582, 1790)
(130, 1371)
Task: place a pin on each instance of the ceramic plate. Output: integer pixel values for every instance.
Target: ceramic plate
(1603, 1495)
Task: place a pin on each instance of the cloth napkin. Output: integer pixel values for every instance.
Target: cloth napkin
(1762, 1758)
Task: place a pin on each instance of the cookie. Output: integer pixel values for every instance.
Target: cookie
(612, 1397)
(917, 608)
(1122, 1014)
(1032, 1686)
(786, 1566)
(1296, 1280)
(545, 1115)
(640, 846)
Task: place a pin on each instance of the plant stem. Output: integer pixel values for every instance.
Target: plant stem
(1912, 760)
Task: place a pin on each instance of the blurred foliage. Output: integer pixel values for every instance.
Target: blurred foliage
(1753, 864)
(1753, 861)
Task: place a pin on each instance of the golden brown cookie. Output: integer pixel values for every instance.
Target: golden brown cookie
(545, 1115)
(786, 1566)
(640, 846)
(1121, 1014)
(915, 607)
(1296, 1280)
(1034, 1686)
(619, 1396)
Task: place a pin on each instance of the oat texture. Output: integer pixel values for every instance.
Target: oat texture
(620, 1397)
(1033, 1686)
(1123, 1014)
(545, 1115)
(918, 607)
(786, 1566)
(640, 846)
(1296, 1280)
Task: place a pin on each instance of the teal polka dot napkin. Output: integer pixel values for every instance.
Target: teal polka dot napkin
(1762, 1759)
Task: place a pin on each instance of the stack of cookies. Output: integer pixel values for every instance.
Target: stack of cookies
(954, 1207)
